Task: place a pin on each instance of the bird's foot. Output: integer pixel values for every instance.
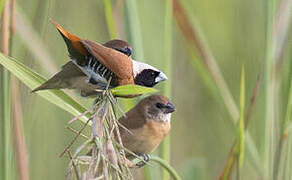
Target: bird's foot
(146, 158)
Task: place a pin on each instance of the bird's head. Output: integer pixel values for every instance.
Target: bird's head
(144, 74)
(119, 45)
(147, 75)
(157, 108)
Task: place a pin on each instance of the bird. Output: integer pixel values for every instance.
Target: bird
(146, 125)
(92, 64)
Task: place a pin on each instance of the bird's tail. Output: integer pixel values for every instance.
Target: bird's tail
(74, 45)
(53, 83)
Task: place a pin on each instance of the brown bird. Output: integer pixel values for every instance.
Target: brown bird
(92, 64)
(148, 123)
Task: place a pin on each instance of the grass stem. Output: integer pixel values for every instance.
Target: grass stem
(109, 19)
(267, 149)
(7, 127)
(165, 145)
(166, 166)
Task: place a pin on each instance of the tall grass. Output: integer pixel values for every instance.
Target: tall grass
(109, 19)
(241, 129)
(165, 146)
(209, 68)
(7, 152)
(286, 143)
(268, 147)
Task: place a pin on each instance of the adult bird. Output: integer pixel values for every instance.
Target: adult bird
(92, 64)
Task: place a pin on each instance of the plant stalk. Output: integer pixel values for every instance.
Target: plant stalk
(165, 145)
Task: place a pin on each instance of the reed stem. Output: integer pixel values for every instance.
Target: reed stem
(7, 127)
(165, 145)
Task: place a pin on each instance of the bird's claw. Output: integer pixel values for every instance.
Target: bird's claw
(146, 158)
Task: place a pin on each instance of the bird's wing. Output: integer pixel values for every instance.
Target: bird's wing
(62, 79)
(71, 70)
(116, 62)
(133, 119)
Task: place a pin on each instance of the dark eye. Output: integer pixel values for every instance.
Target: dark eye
(128, 51)
(159, 105)
(152, 74)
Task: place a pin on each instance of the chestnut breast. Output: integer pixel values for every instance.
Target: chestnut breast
(147, 138)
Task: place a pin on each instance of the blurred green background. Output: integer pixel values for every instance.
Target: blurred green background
(202, 128)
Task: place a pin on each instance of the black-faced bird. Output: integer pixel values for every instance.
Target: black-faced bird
(92, 64)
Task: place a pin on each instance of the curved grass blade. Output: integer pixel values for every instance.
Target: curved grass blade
(128, 90)
(31, 79)
(167, 167)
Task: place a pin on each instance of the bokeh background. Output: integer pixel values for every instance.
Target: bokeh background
(201, 44)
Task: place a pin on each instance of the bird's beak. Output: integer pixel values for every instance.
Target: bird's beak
(160, 77)
(169, 108)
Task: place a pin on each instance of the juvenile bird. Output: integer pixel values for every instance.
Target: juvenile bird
(148, 123)
(92, 64)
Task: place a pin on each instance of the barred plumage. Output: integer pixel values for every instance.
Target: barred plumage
(95, 66)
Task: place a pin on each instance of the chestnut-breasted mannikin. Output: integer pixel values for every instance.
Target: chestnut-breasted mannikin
(92, 64)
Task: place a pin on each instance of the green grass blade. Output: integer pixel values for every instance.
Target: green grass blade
(8, 149)
(2, 2)
(2, 95)
(281, 31)
(134, 29)
(32, 80)
(241, 118)
(284, 148)
(288, 120)
(267, 149)
(109, 19)
(131, 89)
(165, 145)
(5, 47)
(241, 129)
(167, 167)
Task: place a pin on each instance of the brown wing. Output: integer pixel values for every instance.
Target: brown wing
(118, 63)
(133, 119)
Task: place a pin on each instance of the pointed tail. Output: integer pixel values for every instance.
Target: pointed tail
(74, 45)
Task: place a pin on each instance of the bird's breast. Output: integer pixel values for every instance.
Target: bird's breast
(147, 138)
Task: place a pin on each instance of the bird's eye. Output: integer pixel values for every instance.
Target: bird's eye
(153, 74)
(159, 105)
(128, 51)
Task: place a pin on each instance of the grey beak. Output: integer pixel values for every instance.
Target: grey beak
(169, 108)
(160, 77)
